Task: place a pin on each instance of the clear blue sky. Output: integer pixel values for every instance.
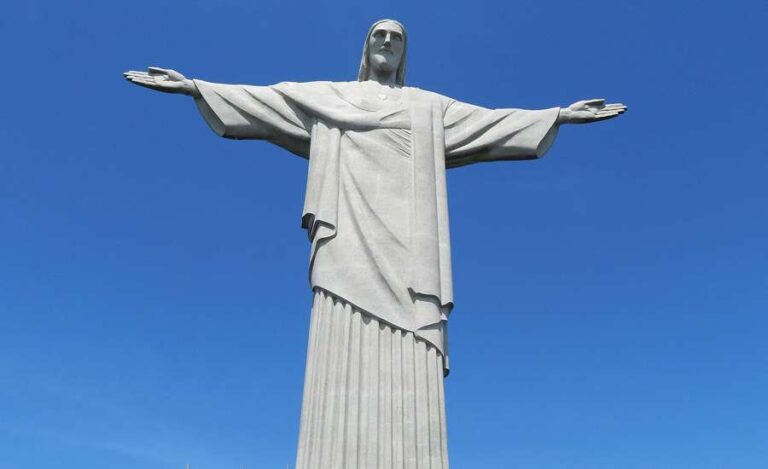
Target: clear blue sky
(612, 298)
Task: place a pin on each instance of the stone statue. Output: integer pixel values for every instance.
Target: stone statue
(376, 215)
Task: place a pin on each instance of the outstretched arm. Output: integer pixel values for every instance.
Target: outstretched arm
(590, 110)
(474, 134)
(162, 79)
(236, 111)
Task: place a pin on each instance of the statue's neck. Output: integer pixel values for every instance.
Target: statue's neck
(383, 78)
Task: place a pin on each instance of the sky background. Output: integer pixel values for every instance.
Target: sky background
(612, 298)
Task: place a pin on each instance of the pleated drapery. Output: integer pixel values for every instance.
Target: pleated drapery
(373, 394)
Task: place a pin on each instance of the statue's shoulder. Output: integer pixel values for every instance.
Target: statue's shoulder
(304, 84)
(427, 94)
(318, 86)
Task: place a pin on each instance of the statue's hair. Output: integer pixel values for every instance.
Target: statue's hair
(364, 66)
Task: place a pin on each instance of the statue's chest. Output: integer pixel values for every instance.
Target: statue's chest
(381, 98)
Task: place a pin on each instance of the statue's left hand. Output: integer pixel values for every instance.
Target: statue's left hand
(162, 79)
(590, 110)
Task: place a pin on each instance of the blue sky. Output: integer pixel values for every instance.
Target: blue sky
(611, 297)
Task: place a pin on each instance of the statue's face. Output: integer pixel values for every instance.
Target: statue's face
(385, 47)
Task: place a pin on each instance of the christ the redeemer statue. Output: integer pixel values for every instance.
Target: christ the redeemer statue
(377, 217)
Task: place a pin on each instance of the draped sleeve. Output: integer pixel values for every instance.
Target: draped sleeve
(475, 134)
(255, 112)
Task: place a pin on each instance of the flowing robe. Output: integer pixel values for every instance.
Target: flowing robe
(376, 204)
(376, 214)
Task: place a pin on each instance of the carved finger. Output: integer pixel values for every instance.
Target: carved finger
(613, 109)
(606, 116)
(141, 81)
(157, 71)
(595, 102)
(132, 77)
(145, 85)
(174, 75)
(140, 77)
(136, 75)
(609, 113)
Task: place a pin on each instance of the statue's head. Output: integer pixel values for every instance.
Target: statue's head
(384, 50)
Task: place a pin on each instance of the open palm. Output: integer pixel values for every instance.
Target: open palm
(161, 79)
(593, 110)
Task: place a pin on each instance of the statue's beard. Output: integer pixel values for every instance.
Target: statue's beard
(383, 63)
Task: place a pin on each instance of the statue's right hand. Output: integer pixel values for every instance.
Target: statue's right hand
(162, 79)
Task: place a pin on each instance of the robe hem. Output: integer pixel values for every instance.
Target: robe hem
(416, 334)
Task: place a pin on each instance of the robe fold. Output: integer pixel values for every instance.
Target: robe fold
(375, 207)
